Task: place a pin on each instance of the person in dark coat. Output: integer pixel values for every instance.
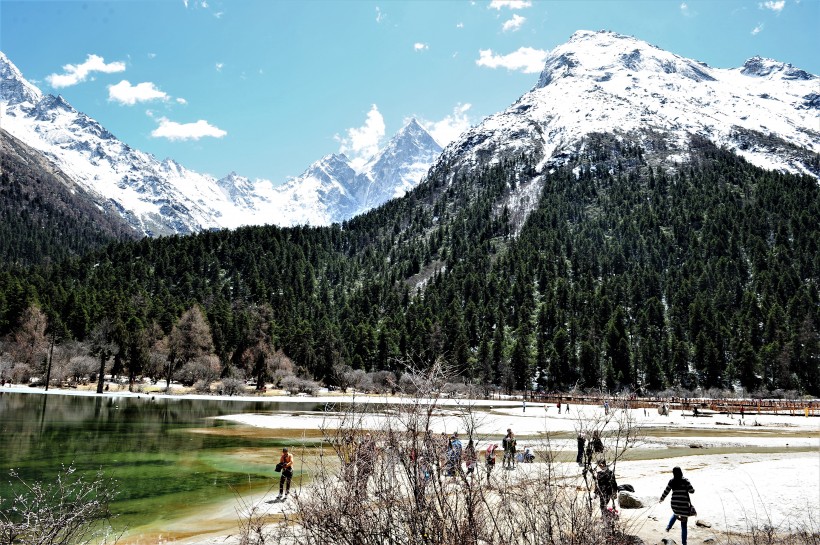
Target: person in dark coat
(580, 457)
(681, 504)
(606, 486)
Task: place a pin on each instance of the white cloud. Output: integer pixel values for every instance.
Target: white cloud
(685, 10)
(418, 46)
(181, 101)
(514, 23)
(219, 66)
(76, 73)
(451, 127)
(152, 55)
(378, 15)
(525, 59)
(510, 4)
(219, 14)
(125, 93)
(776, 6)
(361, 143)
(186, 131)
(757, 30)
(459, 25)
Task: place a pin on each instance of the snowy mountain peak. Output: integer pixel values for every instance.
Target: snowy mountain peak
(598, 55)
(14, 88)
(412, 133)
(763, 67)
(397, 168)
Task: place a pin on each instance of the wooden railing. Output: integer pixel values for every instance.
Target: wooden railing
(729, 406)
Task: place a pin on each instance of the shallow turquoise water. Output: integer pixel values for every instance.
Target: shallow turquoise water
(166, 455)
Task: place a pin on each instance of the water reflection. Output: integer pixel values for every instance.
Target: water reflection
(152, 446)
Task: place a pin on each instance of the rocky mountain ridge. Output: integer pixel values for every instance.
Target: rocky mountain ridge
(163, 197)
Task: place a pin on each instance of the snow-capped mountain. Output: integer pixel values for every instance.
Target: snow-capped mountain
(405, 159)
(603, 82)
(162, 197)
(330, 190)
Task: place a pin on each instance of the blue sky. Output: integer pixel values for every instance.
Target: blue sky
(264, 88)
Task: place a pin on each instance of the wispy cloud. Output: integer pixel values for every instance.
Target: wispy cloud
(186, 131)
(510, 4)
(219, 66)
(182, 101)
(76, 73)
(774, 5)
(451, 127)
(361, 143)
(514, 23)
(686, 10)
(125, 93)
(758, 29)
(418, 46)
(459, 25)
(525, 59)
(379, 14)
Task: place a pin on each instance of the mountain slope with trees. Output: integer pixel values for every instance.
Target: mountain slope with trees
(616, 271)
(45, 217)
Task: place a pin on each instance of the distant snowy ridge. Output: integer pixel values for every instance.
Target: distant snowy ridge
(162, 197)
(603, 82)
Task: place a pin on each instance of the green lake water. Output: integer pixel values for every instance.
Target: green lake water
(168, 456)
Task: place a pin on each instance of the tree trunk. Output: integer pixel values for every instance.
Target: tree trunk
(101, 376)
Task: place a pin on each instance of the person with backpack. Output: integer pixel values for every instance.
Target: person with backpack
(454, 451)
(489, 458)
(286, 466)
(470, 457)
(508, 444)
(682, 507)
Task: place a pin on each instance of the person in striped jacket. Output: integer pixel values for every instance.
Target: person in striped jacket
(681, 504)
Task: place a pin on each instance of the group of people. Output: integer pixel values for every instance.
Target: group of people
(587, 447)
(358, 464)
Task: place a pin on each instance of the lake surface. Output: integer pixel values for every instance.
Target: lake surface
(168, 456)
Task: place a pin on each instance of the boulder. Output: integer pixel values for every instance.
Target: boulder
(628, 500)
(703, 524)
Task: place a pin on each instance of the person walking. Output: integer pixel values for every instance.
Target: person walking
(454, 452)
(508, 444)
(470, 458)
(682, 507)
(580, 457)
(286, 464)
(606, 487)
(489, 457)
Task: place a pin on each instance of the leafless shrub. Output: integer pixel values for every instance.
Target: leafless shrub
(232, 386)
(294, 384)
(81, 367)
(202, 368)
(67, 511)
